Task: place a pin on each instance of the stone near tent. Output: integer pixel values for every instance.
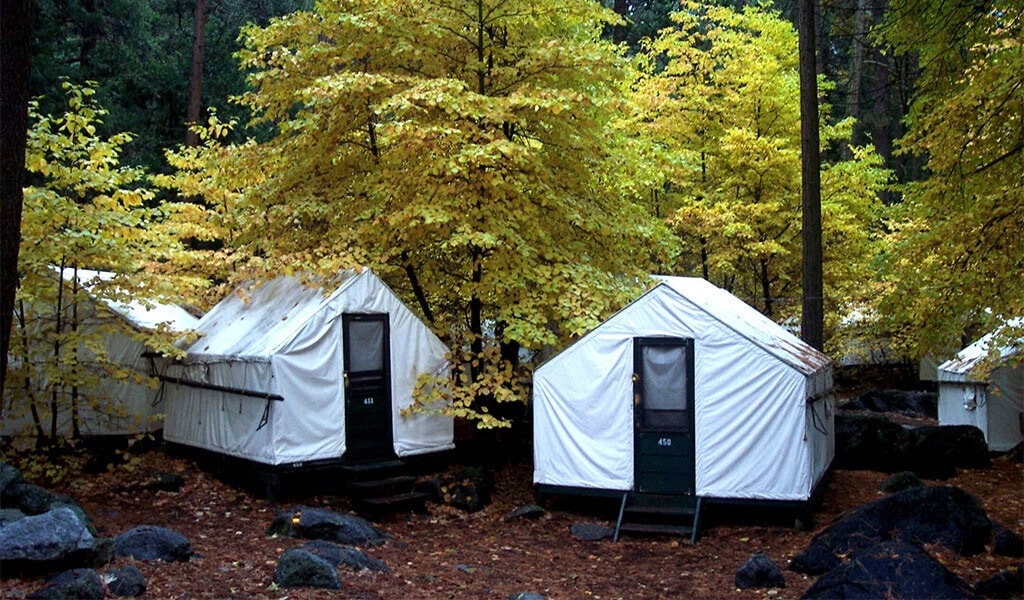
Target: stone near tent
(54, 538)
(338, 555)
(759, 572)
(1008, 583)
(530, 511)
(79, 584)
(150, 542)
(10, 515)
(320, 524)
(901, 481)
(891, 569)
(936, 451)
(301, 568)
(27, 497)
(943, 515)
(1006, 542)
(907, 402)
(126, 582)
(591, 532)
(872, 442)
(469, 489)
(60, 500)
(164, 482)
(9, 474)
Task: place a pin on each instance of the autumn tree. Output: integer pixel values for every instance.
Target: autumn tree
(959, 254)
(460, 147)
(84, 210)
(719, 99)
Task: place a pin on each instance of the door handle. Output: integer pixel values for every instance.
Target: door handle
(344, 377)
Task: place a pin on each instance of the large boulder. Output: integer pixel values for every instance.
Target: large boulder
(320, 524)
(338, 555)
(1008, 583)
(891, 569)
(937, 450)
(126, 582)
(759, 572)
(76, 584)
(8, 474)
(943, 515)
(906, 402)
(871, 442)
(150, 542)
(1006, 542)
(27, 497)
(54, 539)
(301, 568)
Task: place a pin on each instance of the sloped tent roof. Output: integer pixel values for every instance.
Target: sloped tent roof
(284, 337)
(125, 406)
(753, 379)
(991, 384)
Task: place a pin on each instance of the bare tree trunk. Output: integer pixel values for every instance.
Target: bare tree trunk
(812, 322)
(853, 100)
(15, 61)
(195, 78)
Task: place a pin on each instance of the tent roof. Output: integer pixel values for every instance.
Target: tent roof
(970, 358)
(258, 317)
(748, 322)
(141, 315)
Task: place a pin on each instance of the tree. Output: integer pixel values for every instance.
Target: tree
(85, 211)
(462, 148)
(812, 316)
(722, 114)
(958, 254)
(16, 19)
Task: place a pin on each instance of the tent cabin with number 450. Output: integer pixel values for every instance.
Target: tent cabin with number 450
(686, 396)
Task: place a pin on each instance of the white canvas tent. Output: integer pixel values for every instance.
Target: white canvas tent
(687, 391)
(111, 407)
(288, 373)
(990, 399)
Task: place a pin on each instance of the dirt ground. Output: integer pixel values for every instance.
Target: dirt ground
(448, 553)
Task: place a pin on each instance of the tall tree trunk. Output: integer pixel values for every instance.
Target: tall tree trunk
(853, 99)
(812, 322)
(195, 78)
(15, 60)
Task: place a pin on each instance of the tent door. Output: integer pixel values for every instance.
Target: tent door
(368, 434)
(663, 404)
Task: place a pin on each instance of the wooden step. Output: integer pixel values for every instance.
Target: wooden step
(660, 511)
(362, 468)
(383, 487)
(381, 505)
(656, 528)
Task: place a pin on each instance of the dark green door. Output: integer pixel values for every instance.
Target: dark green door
(367, 378)
(663, 394)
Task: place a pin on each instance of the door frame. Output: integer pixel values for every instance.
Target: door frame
(386, 439)
(666, 445)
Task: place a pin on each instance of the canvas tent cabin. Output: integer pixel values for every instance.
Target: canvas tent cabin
(992, 398)
(108, 406)
(293, 375)
(689, 393)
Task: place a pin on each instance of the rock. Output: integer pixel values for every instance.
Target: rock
(301, 568)
(55, 538)
(337, 555)
(1008, 583)
(164, 482)
(901, 481)
(76, 584)
(907, 402)
(8, 475)
(10, 515)
(1006, 542)
(591, 532)
(936, 451)
(891, 569)
(127, 581)
(321, 524)
(150, 542)
(526, 596)
(530, 511)
(759, 572)
(27, 497)
(872, 442)
(943, 515)
(433, 488)
(470, 489)
(66, 501)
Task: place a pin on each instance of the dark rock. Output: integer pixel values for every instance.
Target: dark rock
(301, 568)
(591, 532)
(1006, 542)
(127, 581)
(433, 488)
(55, 537)
(150, 542)
(470, 489)
(901, 481)
(907, 402)
(872, 442)
(759, 572)
(76, 584)
(1008, 583)
(526, 596)
(69, 502)
(10, 515)
(943, 515)
(338, 555)
(27, 497)
(164, 482)
(936, 451)
(530, 511)
(320, 524)
(8, 475)
(891, 569)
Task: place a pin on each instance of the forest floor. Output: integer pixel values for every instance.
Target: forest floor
(448, 553)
